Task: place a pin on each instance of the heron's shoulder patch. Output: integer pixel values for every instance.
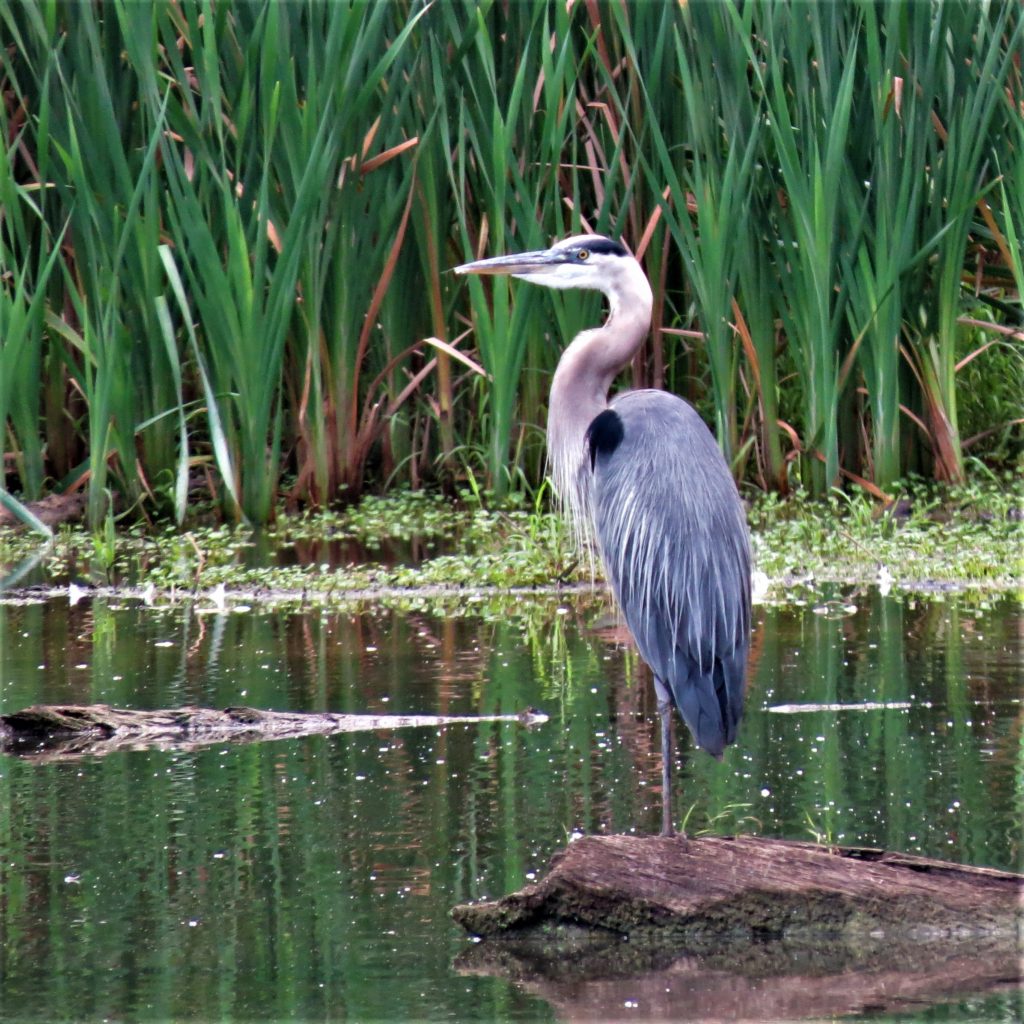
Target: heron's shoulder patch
(604, 434)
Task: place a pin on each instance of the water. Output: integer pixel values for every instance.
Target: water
(313, 878)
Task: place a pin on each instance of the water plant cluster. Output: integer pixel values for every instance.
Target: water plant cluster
(224, 230)
(424, 549)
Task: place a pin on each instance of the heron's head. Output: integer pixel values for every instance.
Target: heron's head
(583, 261)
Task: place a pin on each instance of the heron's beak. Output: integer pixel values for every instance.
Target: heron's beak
(523, 264)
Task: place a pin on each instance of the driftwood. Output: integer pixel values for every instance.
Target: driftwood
(53, 510)
(50, 731)
(702, 894)
(627, 926)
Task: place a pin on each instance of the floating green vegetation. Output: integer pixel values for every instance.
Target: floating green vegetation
(415, 545)
(927, 539)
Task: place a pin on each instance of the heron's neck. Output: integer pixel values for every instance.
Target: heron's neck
(579, 390)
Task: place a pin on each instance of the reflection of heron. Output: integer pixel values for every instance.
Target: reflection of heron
(643, 476)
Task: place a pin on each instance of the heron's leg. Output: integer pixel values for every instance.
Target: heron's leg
(665, 710)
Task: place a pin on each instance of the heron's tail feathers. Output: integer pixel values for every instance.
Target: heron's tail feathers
(711, 702)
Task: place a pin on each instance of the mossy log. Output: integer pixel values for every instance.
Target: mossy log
(703, 894)
(629, 927)
(47, 731)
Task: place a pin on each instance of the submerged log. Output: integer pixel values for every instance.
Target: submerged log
(48, 731)
(703, 894)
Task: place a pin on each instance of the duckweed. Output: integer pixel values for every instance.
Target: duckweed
(926, 541)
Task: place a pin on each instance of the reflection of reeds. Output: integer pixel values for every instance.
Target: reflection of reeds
(223, 237)
(349, 839)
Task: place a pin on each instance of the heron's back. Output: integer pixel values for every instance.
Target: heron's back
(673, 538)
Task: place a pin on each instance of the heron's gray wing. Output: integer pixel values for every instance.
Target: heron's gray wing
(673, 538)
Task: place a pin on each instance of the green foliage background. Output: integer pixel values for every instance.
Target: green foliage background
(224, 230)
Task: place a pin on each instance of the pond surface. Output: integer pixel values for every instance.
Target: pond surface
(313, 878)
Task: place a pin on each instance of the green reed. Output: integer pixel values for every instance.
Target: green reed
(225, 230)
(969, 131)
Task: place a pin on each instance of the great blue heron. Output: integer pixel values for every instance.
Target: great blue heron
(643, 477)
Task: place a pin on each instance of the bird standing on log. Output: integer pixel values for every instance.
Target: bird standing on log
(643, 478)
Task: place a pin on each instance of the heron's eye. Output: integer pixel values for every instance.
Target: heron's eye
(583, 254)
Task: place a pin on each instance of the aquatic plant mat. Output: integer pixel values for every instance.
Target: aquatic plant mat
(417, 546)
(831, 929)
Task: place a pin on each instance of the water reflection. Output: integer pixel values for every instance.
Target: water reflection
(689, 989)
(347, 551)
(314, 877)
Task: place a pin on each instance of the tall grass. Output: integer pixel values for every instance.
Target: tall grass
(710, 187)
(224, 231)
(968, 136)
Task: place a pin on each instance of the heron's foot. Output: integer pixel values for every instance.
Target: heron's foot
(671, 833)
